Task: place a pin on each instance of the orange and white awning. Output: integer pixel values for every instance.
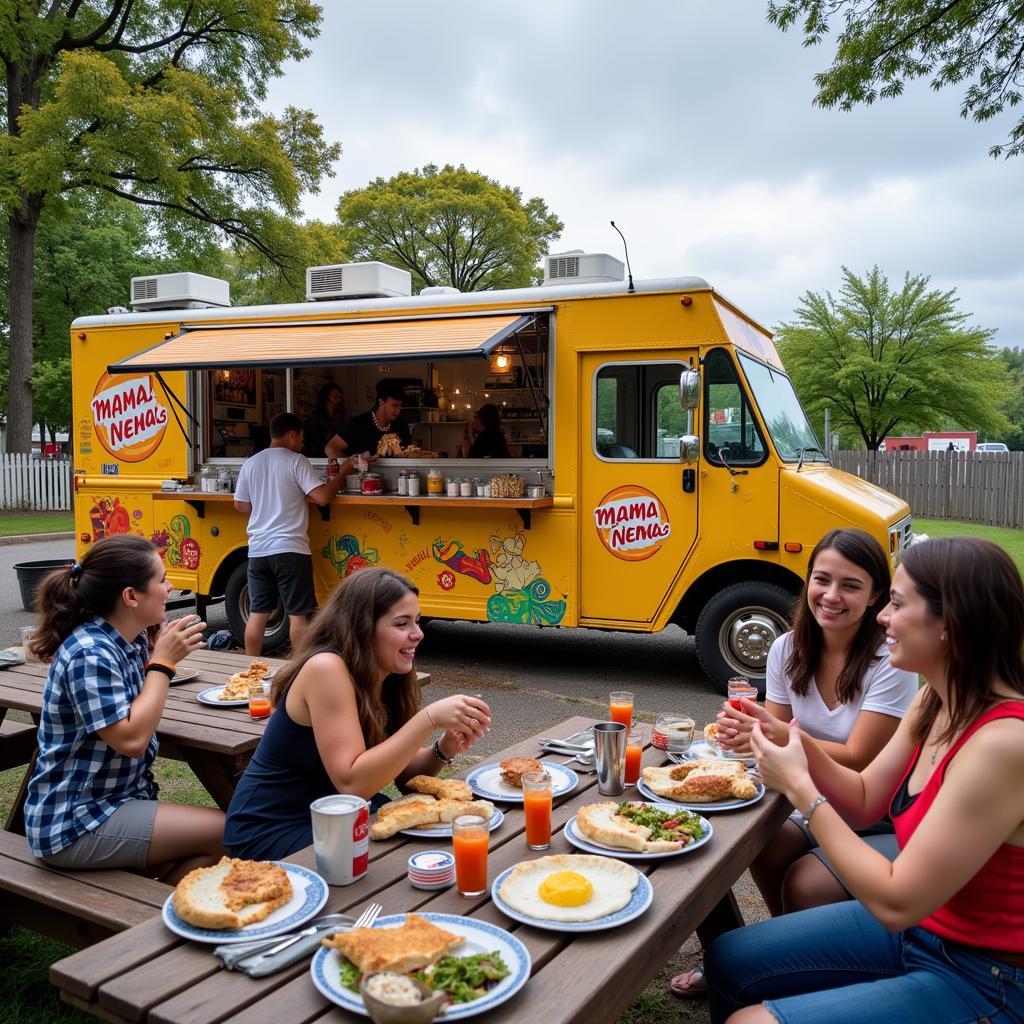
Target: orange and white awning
(353, 341)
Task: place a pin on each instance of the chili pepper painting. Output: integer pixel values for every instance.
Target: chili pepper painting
(346, 555)
(451, 553)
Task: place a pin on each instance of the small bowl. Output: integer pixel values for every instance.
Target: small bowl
(388, 1013)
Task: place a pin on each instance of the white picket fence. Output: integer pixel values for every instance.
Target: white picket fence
(39, 484)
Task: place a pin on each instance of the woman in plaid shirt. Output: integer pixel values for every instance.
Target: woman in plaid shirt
(92, 799)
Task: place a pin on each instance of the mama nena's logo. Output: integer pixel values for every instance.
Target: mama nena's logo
(130, 420)
(632, 522)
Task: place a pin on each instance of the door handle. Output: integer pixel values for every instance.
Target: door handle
(689, 481)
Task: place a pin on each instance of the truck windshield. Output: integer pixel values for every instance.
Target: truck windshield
(782, 412)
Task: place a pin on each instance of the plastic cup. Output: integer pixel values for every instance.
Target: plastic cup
(620, 707)
(27, 632)
(634, 752)
(537, 809)
(739, 686)
(469, 843)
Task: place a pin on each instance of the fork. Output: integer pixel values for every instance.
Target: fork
(367, 918)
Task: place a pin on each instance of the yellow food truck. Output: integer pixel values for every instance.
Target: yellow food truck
(660, 467)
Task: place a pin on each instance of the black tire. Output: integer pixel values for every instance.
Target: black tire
(736, 628)
(236, 604)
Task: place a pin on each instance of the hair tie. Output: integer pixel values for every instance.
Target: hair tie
(75, 570)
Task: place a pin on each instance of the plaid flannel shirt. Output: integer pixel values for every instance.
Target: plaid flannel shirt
(79, 781)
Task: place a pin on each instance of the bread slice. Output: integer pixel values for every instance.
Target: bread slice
(514, 768)
(414, 944)
(231, 894)
(701, 785)
(678, 772)
(602, 824)
(405, 814)
(446, 789)
(449, 810)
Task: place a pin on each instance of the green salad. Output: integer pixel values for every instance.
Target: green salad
(680, 825)
(464, 978)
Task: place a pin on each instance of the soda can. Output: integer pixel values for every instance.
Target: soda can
(341, 837)
(332, 468)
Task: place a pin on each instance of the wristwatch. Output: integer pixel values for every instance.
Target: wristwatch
(805, 817)
(440, 754)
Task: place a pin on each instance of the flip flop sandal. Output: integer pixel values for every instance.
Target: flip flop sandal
(691, 992)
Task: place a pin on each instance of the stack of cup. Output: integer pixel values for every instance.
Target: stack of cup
(432, 869)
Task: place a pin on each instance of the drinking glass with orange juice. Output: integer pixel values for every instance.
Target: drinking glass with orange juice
(634, 751)
(537, 809)
(469, 842)
(620, 708)
(259, 702)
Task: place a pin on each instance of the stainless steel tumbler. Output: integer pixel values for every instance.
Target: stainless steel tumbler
(610, 748)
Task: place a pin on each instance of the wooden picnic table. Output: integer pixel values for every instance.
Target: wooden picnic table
(215, 742)
(148, 975)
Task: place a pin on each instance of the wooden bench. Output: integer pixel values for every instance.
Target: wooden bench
(17, 743)
(75, 907)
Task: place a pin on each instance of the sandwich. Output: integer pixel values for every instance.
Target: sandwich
(700, 785)
(514, 768)
(231, 894)
(417, 943)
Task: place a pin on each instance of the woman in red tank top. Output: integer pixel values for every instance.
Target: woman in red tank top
(938, 934)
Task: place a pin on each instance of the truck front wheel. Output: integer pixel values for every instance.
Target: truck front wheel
(736, 628)
(236, 604)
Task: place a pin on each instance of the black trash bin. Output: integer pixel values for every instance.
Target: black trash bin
(31, 574)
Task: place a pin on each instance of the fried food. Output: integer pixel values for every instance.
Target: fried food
(447, 789)
(678, 772)
(711, 733)
(416, 943)
(231, 894)
(566, 887)
(449, 810)
(602, 824)
(401, 814)
(707, 784)
(514, 768)
(238, 685)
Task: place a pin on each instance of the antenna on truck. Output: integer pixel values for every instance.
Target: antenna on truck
(629, 269)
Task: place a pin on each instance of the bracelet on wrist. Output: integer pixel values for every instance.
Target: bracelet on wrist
(158, 666)
(805, 818)
(440, 754)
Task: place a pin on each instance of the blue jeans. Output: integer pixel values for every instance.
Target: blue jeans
(837, 964)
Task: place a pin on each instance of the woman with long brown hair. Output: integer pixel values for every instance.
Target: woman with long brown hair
(92, 798)
(936, 935)
(832, 672)
(347, 717)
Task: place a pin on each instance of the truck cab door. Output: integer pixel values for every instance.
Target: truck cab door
(637, 523)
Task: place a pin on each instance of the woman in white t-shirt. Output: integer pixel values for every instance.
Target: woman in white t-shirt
(832, 674)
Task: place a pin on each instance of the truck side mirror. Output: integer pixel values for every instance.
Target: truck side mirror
(689, 448)
(689, 389)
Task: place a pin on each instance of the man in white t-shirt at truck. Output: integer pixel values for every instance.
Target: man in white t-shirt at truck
(272, 490)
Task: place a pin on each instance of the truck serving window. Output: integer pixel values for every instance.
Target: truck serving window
(782, 412)
(731, 435)
(637, 414)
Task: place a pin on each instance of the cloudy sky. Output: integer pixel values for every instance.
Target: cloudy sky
(688, 122)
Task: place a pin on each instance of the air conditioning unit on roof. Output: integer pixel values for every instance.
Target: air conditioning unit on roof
(179, 291)
(579, 267)
(371, 280)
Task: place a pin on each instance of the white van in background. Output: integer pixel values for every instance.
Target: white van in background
(991, 446)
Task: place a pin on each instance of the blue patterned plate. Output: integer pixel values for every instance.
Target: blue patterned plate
(573, 834)
(721, 805)
(480, 936)
(486, 781)
(309, 894)
(211, 695)
(640, 900)
(444, 830)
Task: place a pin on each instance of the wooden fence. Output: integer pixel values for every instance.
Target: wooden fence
(973, 487)
(28, 483)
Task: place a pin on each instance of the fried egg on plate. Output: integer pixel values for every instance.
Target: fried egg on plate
(569, 887)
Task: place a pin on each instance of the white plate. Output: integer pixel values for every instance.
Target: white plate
(486, 781)
(573, 834)
(444, 830)
(704, 751)
(481, 937)
(640, 900)
(185, 675)
(721, 805)
(210, 697)
(309, 894)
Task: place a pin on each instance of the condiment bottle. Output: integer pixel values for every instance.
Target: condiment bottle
(435, 482)
(453, 488)
(403, 482)
(466, 488)
(414, 483)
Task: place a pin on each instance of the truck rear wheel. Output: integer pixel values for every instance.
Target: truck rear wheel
(736, 628)
(236, 604)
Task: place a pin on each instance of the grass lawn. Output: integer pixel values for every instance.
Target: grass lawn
(16, 524)
(1012, 541)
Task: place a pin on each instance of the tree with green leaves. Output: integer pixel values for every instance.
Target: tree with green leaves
(449, 226)
(882, 46)
(885, 361)
(155, 102)
(1013, 407)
